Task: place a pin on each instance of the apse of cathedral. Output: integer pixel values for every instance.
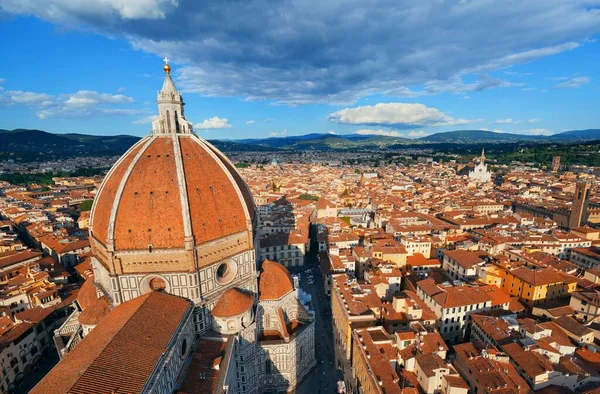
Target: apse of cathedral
(177, 301)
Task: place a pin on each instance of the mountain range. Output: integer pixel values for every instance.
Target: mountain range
(44, 145)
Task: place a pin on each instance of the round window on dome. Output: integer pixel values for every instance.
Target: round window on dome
(157, 284)
(226, 272)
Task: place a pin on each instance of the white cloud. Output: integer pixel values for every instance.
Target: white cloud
(28, 99)
(70, 105)
(86, 98)
(332, 132)
(213, 123)
(69, 10)
(574, 83)
(251, 122)
(279, 133)
(417, 134)
(536, 132)
(503, 121)
(387, 133)
(148, 119)
(1, 80)
(395, 114)
(533, 120)
(121, 89)
(304, 55)
(268, 120)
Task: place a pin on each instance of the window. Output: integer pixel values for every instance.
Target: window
(183, 347)
(226, 272)
(268, 367)
(157, 284)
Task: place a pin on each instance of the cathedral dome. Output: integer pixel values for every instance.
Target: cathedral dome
(169, 189)
(232, 303)
(274, 282)
(170, 193)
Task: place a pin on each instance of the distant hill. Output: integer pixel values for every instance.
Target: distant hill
(577, 135)
(478, 136)
(35, 145)
(328, 141)
(27, 143)
(485, 136)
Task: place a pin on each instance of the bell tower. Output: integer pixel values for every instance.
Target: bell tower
(580, 202)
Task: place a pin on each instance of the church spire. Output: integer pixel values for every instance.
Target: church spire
(482, 155)
(171, 119)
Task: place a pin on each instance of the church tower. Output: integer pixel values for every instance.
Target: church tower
(578, 214)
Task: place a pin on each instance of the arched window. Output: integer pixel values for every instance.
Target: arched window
(168, 121)
(176, 123)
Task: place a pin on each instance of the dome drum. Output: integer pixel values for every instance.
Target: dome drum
(174, 195)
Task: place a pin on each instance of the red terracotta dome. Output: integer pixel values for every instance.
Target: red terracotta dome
(169, 188)
(87, 294)
(93, 308)
(95, 312)
(232, 303)
(274, 282)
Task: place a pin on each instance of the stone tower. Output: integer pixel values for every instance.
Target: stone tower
(580, 202)
(555, 163)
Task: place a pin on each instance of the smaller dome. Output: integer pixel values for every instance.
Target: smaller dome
(232, 303)
(87, 294)
(95, 312)
(274, 282)
(93, 308)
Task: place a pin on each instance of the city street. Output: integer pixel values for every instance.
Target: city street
(324, 377)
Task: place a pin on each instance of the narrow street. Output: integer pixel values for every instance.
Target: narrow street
(324, 377)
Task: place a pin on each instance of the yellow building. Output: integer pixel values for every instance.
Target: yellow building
(491, 275)
(534, 286)
(395, 254)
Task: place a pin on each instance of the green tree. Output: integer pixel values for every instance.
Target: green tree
(85, 206)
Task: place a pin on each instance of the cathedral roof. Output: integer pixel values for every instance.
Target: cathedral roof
(170, 190)
(121, 353)
(233, 302)
(275, 281)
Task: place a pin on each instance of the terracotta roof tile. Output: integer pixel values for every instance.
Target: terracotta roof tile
(114, 357)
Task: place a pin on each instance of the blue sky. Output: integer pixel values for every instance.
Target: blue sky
(257, 68)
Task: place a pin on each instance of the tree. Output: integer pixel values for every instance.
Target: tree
(85, 206)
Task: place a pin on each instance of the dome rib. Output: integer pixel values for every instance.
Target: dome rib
(113, 180)
(210, 149)
(116, 202)
(245, 192)
(149, 209)
(183, 194)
